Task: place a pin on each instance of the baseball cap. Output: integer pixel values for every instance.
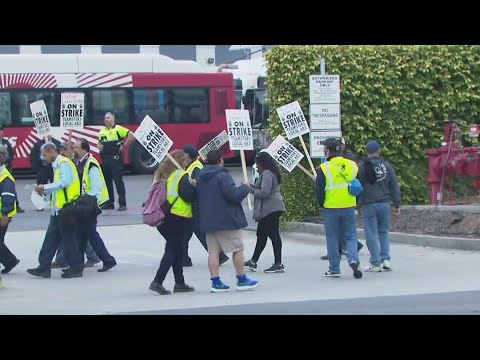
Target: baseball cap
(191, 151)
(332, 144)
(372, 147)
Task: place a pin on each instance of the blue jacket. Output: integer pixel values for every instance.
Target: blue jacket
(220, 200)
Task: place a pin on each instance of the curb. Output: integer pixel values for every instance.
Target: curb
(395, 237)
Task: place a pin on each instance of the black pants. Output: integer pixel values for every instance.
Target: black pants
(174, 230)
(56, 233)
(203, 240)
(269, 227)
(87, 232)
(6, 256)
(44, 173)
(112, 171)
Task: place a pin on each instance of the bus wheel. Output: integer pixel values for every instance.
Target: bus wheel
(141, 161)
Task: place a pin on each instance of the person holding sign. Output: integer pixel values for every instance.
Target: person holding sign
(222, 218)
(8, 209)
(338, 205)
(268, 206)
(177, 223)
(112, 140)
(193, 170)
(8, 161)
(65, 188)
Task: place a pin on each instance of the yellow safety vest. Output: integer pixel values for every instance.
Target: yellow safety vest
(72, 191)
(3, 175)
(104, 197)
(336, 185)
(195, 165)
(181, 207)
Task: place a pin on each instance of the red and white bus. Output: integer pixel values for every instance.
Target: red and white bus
(185, 100)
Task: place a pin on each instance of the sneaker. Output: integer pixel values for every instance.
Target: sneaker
(122, 208)
(275, 268)
(386, 266)
(246, 284)
(324, 257)
(372, 268)
(45, 273)
(332, 274)
(219, 288)
(20, 210)
(250, 266)
(357, 274)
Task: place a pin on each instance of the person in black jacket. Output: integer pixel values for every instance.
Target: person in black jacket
(42, 168)
(8, 161)
(7, 207)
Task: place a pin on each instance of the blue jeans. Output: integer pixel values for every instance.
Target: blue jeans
(340, 224)
(61, 259)
(376, 222)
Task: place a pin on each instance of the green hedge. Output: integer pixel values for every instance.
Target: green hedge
(398, 95)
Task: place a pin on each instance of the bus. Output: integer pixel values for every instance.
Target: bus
(251, 94)
(186, 101)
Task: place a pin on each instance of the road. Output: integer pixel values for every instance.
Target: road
(137, 188)
(424, 280)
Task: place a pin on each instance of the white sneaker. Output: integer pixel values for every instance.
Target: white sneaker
(372, 268)
(386, 266)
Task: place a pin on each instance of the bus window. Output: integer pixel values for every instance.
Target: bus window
(189, 105)
(5, 109)
(105, 100)
(151, 102)
(21, 105)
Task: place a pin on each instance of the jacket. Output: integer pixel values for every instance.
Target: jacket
(220, 200)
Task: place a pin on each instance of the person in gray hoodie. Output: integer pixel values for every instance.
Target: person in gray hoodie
(380, 185)
(267, 209)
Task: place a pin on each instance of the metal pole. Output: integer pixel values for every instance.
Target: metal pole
(322, 66)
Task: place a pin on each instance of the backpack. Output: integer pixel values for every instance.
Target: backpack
(156, 208)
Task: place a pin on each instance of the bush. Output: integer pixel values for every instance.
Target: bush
(398, 95)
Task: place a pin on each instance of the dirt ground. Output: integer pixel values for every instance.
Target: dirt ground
(431, 222)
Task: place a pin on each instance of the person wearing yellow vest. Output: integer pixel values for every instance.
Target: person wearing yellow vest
(339, 206)
(112, 140)
(65, 188)
(8, 206)
(92, 183)
(177, 223)
(193, 169)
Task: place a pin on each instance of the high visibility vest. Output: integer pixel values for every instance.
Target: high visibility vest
(336, 185)
(3, 175)
(181, 207)
(72, 191)
(195, 165)
(86, 186)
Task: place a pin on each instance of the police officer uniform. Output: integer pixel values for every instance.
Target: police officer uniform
(112, 164)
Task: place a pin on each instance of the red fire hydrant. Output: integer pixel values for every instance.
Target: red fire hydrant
(448, 160)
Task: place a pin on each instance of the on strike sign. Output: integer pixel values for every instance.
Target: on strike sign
(239, 129)
(293, 120)
(71, 116)
(285, 153)
(214, 144)
(40, 118)
(153, 138)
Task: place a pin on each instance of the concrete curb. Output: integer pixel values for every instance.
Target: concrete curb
(400, 238)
